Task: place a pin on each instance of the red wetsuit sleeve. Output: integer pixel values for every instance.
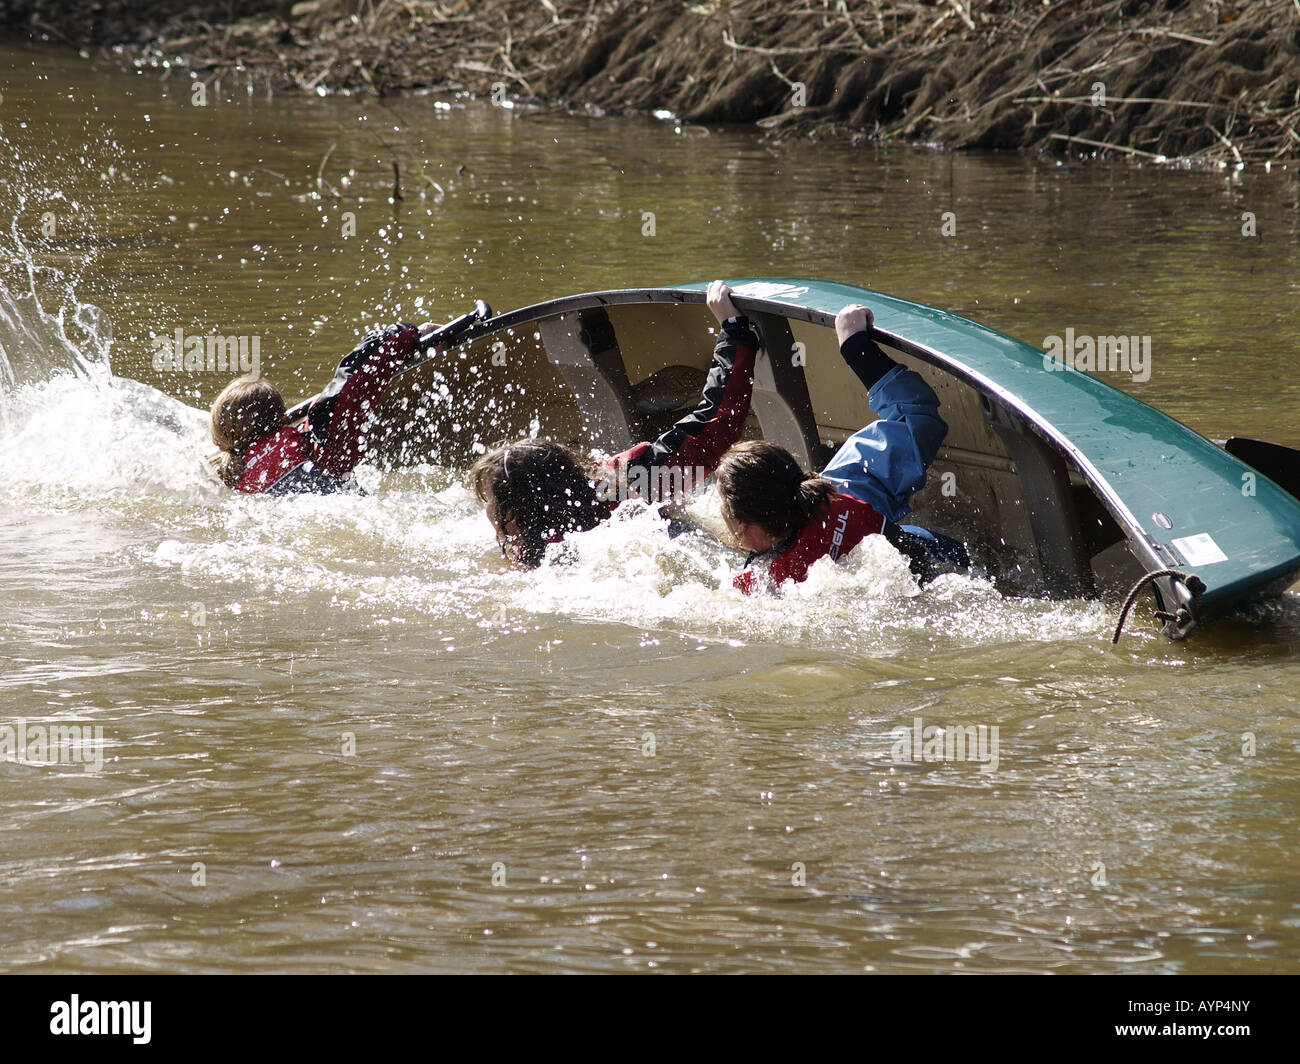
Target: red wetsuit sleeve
(703, 436)
(342, 450)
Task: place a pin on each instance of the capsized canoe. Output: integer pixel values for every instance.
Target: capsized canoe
(1059, 483)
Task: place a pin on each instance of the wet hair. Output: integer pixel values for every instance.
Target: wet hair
(545, 489)
(243, 413)
(762, 484)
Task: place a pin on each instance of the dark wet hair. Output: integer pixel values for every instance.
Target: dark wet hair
(762, 484)
(243, 413)
(545, 489)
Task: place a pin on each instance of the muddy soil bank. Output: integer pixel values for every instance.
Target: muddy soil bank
(1210, 81)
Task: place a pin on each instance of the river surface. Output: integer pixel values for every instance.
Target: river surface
(338, 735)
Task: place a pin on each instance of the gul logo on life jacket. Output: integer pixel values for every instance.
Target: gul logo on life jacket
(837, 540)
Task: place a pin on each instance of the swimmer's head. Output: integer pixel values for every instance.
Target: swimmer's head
(243, 413)
(766, 496)
(536, 491)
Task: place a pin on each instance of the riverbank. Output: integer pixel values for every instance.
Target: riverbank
(1207, 83)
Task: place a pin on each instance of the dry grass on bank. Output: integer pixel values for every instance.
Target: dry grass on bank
(1207, 81)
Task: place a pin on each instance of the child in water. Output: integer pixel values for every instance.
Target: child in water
(538, 491)
(788, 518)
(263, 452)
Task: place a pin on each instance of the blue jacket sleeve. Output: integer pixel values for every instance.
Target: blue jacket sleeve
(885, 463)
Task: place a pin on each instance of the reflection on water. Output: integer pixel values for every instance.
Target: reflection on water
(339, 735)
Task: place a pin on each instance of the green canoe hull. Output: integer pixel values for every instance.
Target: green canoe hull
(1060, 483)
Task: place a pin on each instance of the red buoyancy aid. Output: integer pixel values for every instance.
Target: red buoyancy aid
(271, 457)
(845, 523)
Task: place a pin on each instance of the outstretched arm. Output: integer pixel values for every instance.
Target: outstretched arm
(703, 436)
(365, 373)
(884, 464)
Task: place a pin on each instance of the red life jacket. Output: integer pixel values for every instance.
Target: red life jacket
(272, 457)
(845, 523)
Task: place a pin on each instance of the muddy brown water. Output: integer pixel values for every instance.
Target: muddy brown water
(337, 735)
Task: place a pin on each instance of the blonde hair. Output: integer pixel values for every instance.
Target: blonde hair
(243, 413)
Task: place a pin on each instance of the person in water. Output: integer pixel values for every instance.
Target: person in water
(788, 518)
(263, 452)
(538, 491)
